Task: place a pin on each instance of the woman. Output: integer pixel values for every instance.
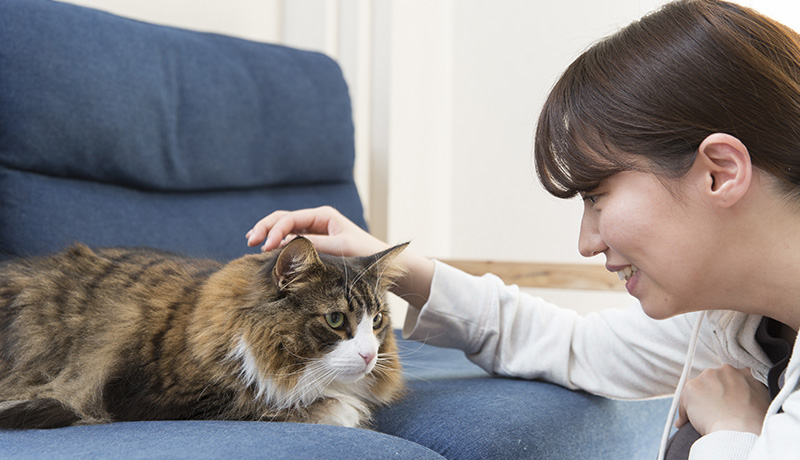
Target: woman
(682, 134)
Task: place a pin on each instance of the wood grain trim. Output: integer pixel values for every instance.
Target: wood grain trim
(544, 275)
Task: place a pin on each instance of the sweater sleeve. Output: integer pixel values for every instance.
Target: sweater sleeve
(779, 436)
(614, 353)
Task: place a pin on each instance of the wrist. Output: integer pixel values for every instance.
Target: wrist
(414, 287)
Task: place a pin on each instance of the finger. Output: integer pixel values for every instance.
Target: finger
(306, 222)
(747, 373)
(322, 243)
(682, 417)
(259, 231)
(273, 228)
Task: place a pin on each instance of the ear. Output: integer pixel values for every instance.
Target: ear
(295, 261)
(384, 266)
(725, 168)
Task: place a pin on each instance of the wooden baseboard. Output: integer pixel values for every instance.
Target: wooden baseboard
(544, 275)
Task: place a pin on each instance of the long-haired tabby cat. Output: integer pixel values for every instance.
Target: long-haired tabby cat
(133, 334)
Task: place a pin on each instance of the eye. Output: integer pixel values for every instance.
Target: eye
(377, 321)
(335, 320)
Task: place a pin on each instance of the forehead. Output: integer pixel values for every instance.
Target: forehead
(352, 271)
(348, 280)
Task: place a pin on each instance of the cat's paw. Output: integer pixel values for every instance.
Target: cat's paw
(345, 411)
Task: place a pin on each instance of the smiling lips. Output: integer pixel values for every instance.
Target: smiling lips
(626, 272)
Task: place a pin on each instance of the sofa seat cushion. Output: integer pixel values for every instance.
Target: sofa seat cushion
(456, 409)
(212, 440)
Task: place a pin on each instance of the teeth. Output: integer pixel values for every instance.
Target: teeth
(626, 273)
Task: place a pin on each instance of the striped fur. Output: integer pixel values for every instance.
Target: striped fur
(136, 334)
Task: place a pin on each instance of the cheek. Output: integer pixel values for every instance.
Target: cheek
(635, 227)
(317, 338)
(617, 230)
(348, 355)
(364, 341)
(354, 349)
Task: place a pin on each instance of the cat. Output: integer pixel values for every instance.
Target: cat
(121, 334)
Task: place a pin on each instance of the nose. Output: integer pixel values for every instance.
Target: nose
(590, 242)
(368, 357)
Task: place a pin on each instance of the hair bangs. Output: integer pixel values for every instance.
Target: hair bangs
(571, 155)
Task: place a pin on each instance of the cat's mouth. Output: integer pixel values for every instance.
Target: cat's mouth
(355, 372)
(626, 273)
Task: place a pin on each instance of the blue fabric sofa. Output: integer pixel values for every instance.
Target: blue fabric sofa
(117, 132)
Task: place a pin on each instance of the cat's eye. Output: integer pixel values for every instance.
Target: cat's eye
(335, 319)
(377, 321)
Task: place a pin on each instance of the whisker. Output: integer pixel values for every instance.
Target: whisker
(361, 274)
(346, 276)
(327, 376)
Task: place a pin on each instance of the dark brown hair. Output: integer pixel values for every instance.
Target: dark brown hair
(658, 87)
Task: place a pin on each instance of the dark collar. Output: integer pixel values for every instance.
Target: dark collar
(778, 350)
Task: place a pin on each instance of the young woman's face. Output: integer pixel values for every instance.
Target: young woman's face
(656, 241)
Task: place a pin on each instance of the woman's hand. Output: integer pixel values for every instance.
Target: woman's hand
(333, 233)
(328, 230)
(724, 399)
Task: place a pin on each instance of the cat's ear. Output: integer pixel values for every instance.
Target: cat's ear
(384, 265)
(295, 261)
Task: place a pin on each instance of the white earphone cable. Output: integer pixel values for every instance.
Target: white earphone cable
(687, 367)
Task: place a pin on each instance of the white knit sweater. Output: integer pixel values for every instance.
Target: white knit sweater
(513, 334)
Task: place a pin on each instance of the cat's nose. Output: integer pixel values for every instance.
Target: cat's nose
(368, 357)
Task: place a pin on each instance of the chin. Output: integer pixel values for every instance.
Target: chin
(350, 378)
(659, 312)
(352, 375)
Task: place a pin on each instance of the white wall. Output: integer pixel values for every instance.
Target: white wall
(446, 95)
(251, 19)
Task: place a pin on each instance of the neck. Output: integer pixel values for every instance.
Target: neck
(763, 263)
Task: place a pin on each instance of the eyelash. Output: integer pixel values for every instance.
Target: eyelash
(590, 198)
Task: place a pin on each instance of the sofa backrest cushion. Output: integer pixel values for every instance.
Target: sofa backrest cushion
(119, 132)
